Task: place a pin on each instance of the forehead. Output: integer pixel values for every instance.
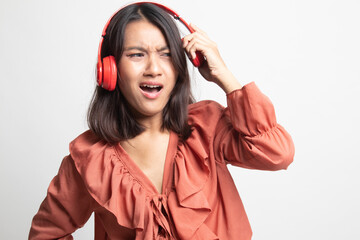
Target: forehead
(143, 33)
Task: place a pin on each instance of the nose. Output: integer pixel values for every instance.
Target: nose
(153, 66)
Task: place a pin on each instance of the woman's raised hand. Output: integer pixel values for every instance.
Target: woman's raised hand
(214, 68)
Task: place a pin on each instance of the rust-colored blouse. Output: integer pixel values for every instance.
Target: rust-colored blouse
(199, 199)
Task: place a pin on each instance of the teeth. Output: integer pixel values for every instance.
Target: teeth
(150, 86)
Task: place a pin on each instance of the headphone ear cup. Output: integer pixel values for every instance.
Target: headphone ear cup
(109, 73)
(99, 77)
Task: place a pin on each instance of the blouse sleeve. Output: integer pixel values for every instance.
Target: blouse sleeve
(66, 207)
(248, 135)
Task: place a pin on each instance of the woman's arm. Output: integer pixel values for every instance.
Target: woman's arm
(66, 207)
(248, 134)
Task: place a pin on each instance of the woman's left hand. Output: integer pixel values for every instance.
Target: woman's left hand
(214, 68)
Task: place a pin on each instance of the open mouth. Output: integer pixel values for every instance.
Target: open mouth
(150, 88)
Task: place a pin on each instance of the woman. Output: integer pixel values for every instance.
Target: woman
(153, 164)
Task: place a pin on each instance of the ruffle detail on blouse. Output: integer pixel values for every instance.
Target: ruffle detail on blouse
(188, 205)
(108, 181)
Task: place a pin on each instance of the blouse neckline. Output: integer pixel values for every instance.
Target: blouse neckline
(141, 177)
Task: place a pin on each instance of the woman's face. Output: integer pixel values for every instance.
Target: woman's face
(147, 75)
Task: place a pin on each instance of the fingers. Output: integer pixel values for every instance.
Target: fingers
(196, 41)
(197, 29)
(192, 44)
(214, 68)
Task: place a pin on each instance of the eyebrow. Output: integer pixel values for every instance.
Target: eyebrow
(144, 50)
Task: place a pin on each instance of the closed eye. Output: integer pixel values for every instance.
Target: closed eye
(132, 55)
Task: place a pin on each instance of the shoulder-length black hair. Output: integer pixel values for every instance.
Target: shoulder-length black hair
(109, 115)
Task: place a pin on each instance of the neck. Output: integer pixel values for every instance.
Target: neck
(152, 124)
(153, 132)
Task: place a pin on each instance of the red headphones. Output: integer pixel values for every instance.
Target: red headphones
(106, 68)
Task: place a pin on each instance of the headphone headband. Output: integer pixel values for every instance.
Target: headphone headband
(107, 69)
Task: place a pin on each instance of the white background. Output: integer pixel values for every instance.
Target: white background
(304, 55)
